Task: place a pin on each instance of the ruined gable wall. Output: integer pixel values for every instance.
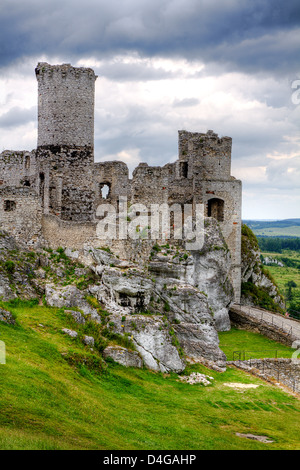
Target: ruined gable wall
(114, 175)
(18, 168)
(150, 184)
(207, 155)
(21, 214)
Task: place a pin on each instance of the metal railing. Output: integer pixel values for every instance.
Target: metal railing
(274, 319)
(249, 355)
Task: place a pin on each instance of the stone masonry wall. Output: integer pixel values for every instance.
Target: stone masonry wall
(66, 180)
(283, 371)
(65, 152)
(209, 155)
(18, 168)
(274, 332)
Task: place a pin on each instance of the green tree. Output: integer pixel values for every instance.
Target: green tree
(290, 285)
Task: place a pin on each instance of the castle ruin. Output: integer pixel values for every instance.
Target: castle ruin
(51, 194)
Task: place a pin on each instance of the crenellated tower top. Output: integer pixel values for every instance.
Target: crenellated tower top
(65, 105)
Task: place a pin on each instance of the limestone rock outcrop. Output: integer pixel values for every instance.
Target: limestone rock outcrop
(123, 356)
(6, 317)
(170, 304)
(185, 293)
(70, 296)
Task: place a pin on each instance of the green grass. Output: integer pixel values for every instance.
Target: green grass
(251, 345)
(47, 403)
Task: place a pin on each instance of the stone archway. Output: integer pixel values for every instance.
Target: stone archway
(215, 208)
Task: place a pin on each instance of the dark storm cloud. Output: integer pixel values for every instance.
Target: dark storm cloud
(17, 116)
(254, 35)
(143, 128)
(120, 71)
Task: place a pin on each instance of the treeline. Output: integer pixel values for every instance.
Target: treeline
(275, 244)
(262, 224)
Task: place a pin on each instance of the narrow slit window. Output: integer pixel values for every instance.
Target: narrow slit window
(9, 206)
(184, 169)
(27, 162)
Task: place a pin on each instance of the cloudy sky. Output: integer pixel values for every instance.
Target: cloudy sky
(232, 66)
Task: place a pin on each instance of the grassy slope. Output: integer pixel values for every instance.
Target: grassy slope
(254, 344)
(46, 403)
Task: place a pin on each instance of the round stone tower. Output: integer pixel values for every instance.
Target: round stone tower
(65, 149)
(65, 105)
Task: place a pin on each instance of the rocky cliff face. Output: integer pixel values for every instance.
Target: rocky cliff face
(17, 269)
(171, 305)
(258, 287)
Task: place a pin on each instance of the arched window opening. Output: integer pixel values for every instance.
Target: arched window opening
(27, 162)
(215, 208)
(104, 190)
(184, 169)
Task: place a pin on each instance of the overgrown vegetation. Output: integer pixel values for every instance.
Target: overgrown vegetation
(259, 297)
(249, 240)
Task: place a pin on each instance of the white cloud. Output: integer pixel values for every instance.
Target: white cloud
(129, 156)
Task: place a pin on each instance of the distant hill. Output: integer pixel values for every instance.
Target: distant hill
(275, 228)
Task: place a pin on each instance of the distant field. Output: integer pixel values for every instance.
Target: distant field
(293, 231)
(275, 228)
